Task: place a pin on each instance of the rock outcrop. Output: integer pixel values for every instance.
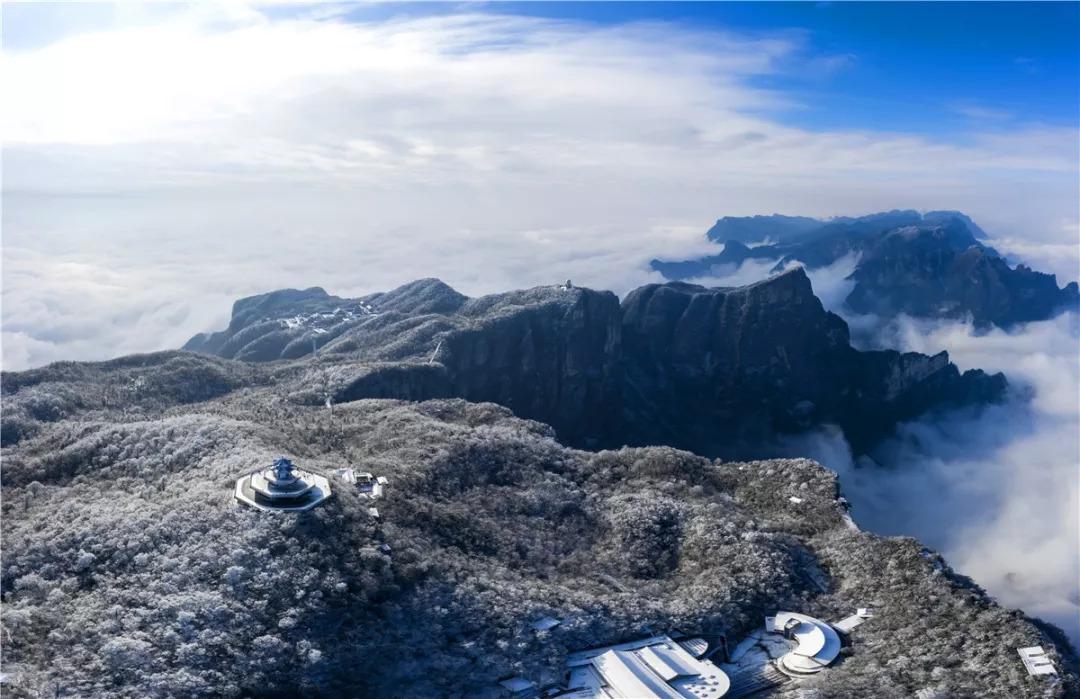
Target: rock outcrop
(757, 229)
(282, 324)
(719, 371)
(941, 271)
(549, 354)
(291, 323)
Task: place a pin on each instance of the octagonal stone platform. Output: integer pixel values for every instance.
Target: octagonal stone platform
(282, 487)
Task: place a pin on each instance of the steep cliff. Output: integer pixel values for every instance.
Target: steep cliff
(941, 271)
(549, 354)
(720, 371)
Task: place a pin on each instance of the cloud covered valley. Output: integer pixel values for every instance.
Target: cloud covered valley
(995, 490)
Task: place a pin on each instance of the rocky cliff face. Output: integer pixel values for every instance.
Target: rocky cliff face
(549, 354)
(927, 265)
(719, 371)
(942, 271)
(755, 229)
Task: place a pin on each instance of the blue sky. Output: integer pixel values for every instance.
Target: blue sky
(929, 68)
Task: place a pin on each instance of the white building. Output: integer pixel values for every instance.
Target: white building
(1036, 661)
(848, 624)
(650, 668)
(816, 643)
(282, 487)
(365, 482)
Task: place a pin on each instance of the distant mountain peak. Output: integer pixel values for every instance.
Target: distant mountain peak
(912, 263)
(428, 295)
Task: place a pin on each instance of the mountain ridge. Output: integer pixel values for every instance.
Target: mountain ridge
(129, 571)
(925, 265)
(584, 362)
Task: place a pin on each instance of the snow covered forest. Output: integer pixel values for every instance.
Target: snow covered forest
(130, 571)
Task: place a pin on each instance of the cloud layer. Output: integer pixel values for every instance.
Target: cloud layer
(166, 165)
(995, 491)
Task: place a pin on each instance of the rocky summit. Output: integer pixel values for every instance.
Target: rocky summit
(719, 371)
(931, 265)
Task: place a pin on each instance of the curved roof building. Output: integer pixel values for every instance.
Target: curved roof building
(816, 643)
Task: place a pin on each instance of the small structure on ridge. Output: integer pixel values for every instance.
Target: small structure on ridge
(1036, 661)
(282, 487)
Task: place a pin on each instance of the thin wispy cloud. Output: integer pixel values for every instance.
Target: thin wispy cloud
(1030, 65)
(980, 113)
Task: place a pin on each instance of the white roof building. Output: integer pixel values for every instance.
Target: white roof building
(369, 485)
(847, 624)
(817, 643)
(544, 623)
(1036, 661)
(650, 668)
(346, 474)
(518, 685)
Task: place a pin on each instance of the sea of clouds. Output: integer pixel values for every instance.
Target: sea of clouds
(995, 490)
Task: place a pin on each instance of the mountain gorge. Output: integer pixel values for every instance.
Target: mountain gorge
(930, 265)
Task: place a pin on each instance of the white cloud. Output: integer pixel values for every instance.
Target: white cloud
(1058, 254)
(830, 283)
(981, 113)
(248, 150)
(996, 493)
